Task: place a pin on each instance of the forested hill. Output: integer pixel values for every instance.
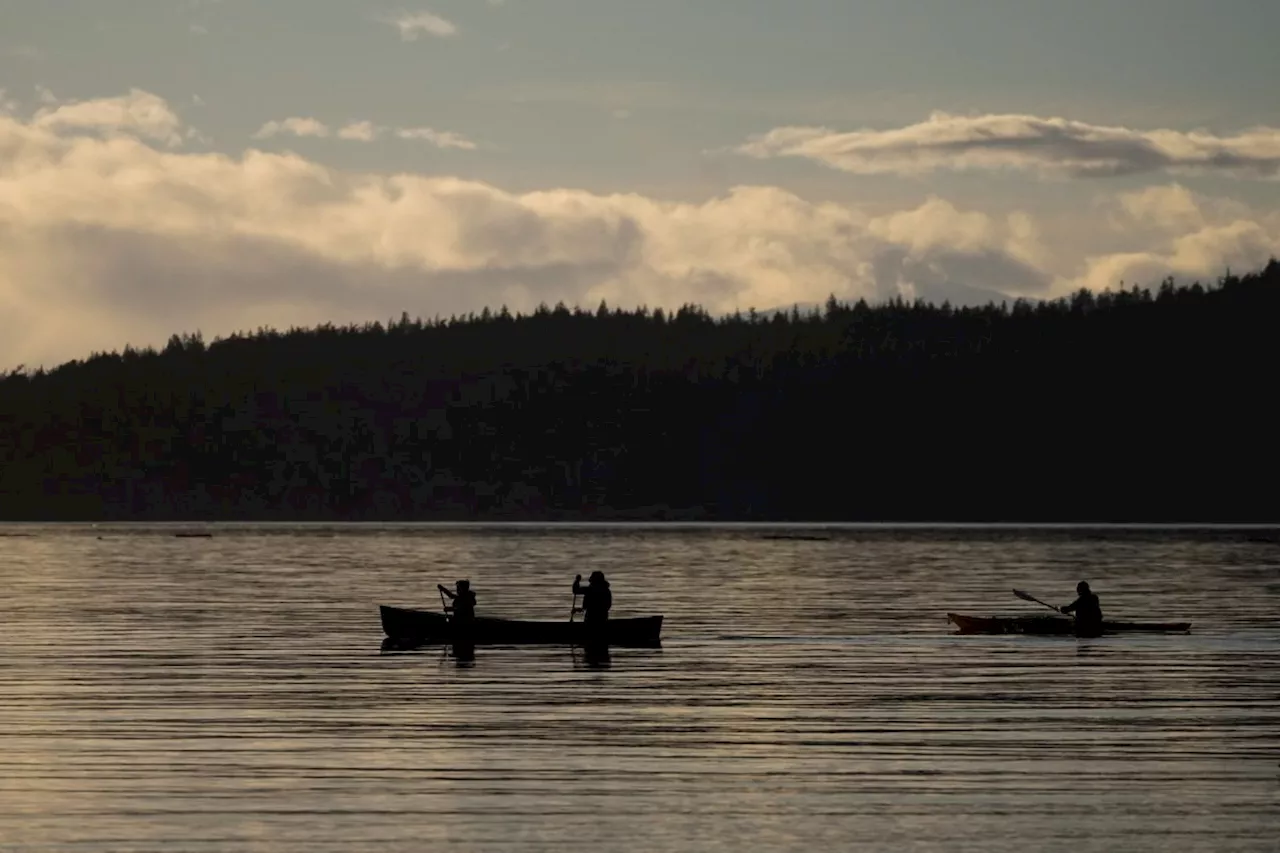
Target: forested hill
(1131, 406)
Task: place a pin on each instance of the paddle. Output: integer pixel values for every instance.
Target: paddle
(573, 650)
(1028, 597)
(574, 609)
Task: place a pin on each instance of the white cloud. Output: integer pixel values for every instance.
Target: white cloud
(1177, 233)
(1202, 255)
(362, 131)
(438, 138)
(1048, 146)
(1156, 210)
(105, 241)
(413, 25)
(138, 112)
(295, 126)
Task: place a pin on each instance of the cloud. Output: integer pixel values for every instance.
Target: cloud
(294, 126)
(1052, 147)
(1172, 206)
(1171, 231)
(138, 112)
(362, 131)
(1199, 254)
(439, 138)
(122, 239)
(413, 25)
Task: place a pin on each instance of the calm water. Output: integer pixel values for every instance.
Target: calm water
(229, 694)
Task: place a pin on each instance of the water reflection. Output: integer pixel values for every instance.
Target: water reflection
(595, 656)
(465, 655)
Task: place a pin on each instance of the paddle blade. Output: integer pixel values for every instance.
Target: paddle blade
(1026, 596)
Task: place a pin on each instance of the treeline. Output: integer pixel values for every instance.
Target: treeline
(1121, 406)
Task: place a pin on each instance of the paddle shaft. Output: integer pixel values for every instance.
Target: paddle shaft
(1028, 597)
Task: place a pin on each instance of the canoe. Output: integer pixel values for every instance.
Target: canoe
(1056, 625)
(406, 625)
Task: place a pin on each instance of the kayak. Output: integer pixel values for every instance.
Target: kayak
(406, 625)
(1056, 625)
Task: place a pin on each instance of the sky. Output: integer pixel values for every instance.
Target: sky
(169, 166)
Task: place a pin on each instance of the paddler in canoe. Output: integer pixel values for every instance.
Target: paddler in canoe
(1087, 610)
(464, 601)
(596, 597)
(463, 614)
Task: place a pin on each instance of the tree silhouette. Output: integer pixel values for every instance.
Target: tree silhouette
(1118, 406)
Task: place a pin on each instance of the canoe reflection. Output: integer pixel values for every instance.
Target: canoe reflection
(595, 656)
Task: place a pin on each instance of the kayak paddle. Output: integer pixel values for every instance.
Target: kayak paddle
(1028, 597)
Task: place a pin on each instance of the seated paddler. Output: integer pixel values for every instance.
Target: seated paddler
(596, 597)
(464, 600)
(1088, 611)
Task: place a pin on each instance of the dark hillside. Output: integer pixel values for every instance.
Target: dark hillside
(1129, 406)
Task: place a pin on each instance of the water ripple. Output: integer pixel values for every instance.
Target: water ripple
(220, 694)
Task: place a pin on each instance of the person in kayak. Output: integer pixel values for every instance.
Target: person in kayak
(1088, 611)
(464, 600)
(596, 597)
